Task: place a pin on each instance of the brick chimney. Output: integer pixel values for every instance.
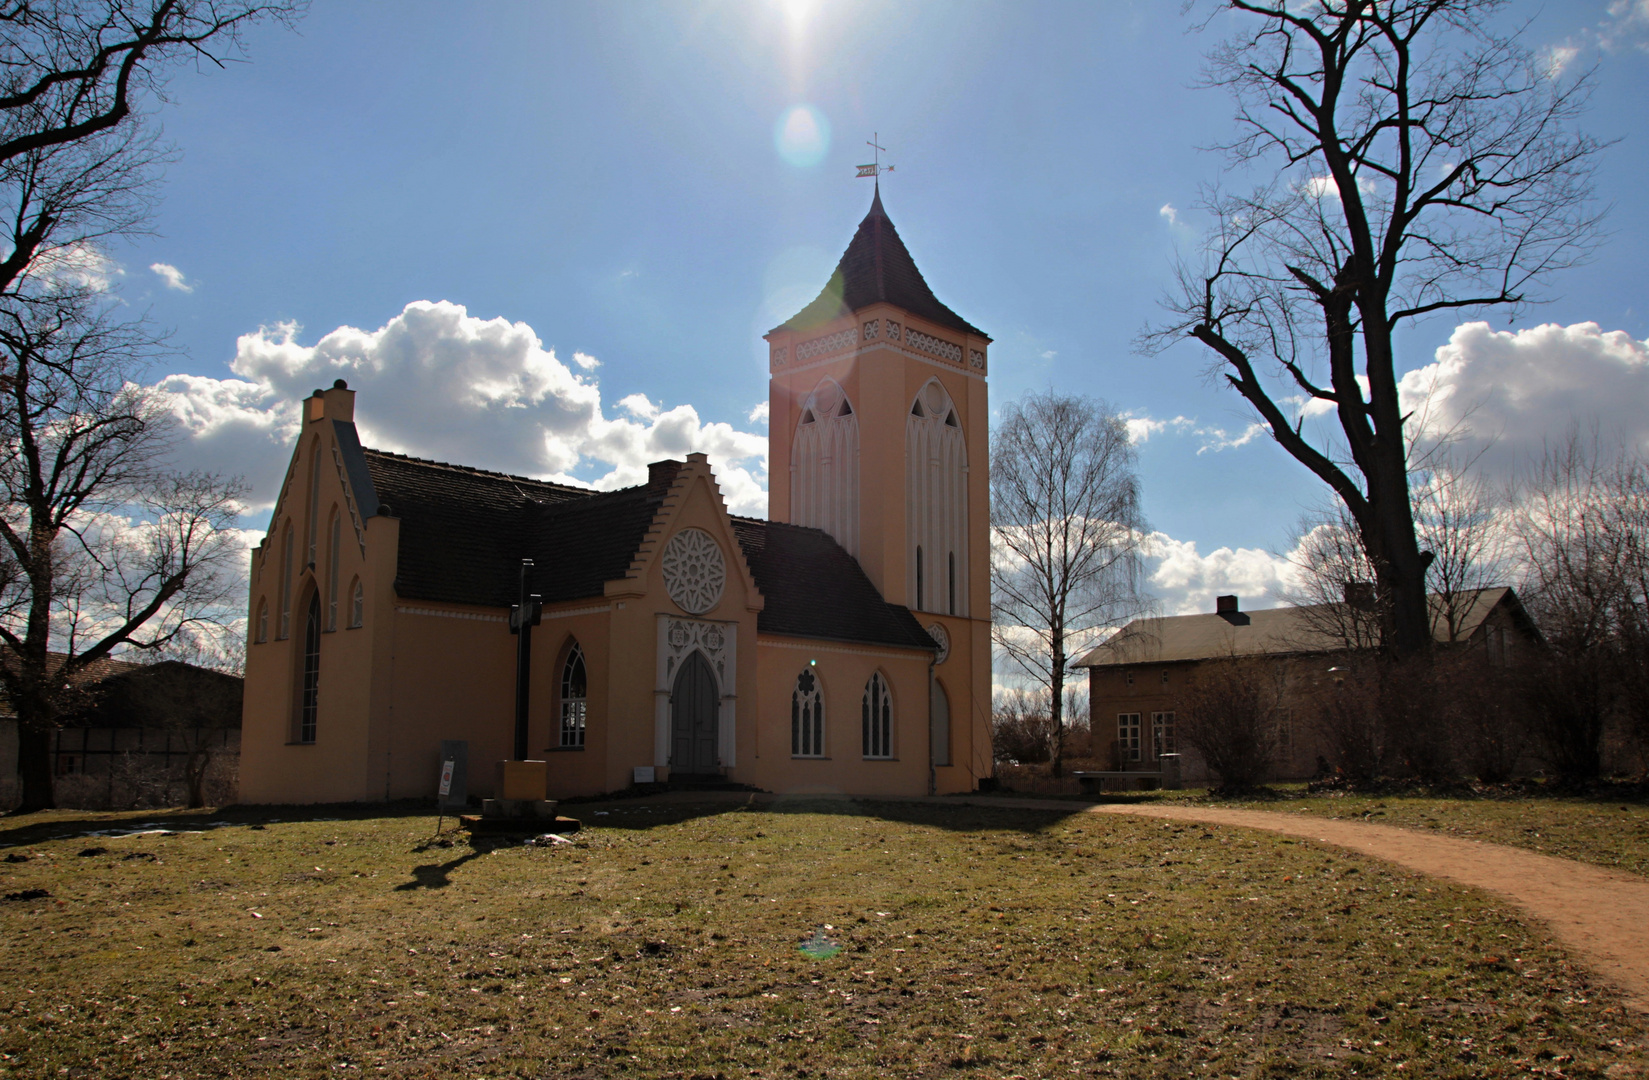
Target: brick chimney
(661, 474)
(1226, 608)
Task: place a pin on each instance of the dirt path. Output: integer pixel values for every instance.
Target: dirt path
(1601, 916)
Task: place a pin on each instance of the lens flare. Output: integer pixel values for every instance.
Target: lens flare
(802, 136)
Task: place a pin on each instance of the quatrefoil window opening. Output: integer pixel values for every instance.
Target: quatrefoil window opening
(694, 571)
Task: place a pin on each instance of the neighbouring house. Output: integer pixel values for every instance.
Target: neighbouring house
(138, 734)
(841, 645)
(1139, 678)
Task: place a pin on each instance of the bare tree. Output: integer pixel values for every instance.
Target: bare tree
(1066, 532)
(102, 548)
(1233, 709)
(1421, 163)
(1583, 520)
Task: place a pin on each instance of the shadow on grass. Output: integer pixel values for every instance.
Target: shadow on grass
(41, 826)
(439, 875)
(638, 814)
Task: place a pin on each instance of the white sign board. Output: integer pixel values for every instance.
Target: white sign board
(446, 777)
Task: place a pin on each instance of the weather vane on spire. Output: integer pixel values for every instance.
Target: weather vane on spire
(875, 169)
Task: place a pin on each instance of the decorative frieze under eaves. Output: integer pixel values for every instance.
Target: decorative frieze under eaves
(881, 333)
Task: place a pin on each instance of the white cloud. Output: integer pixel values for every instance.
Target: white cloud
(639, 407)
(1142, 427)
(586, 361)
(172, 276)
(437, 382)
(78, 264)
(1506, 395)
(759, 414)
(1628, 24)
(1186, 581)
(1557, 58)
(1168, 213)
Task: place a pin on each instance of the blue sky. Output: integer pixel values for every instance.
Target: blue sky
(608, 176)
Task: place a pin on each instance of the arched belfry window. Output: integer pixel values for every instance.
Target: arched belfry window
(936, 503)
(575, 692)
(309, 675)
(876, 717)
(807, 717)
(824, 466)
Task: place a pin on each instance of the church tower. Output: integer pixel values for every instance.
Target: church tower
(878, 435)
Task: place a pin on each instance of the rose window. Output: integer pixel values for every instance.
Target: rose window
(694, 571)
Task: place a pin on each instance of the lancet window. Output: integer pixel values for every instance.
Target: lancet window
(332, 571)
(286, 582)
(936, 502)
(807, 717)
(876, 716)
(357, 604)
(309, 682)
(574, 697)
(824, 466)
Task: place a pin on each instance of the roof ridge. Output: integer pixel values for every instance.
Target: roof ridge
(476, 470)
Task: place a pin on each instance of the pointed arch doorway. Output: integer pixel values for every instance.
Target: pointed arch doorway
(694, 704)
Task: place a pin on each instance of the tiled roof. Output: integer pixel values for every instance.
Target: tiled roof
(877, 267)
(464, 532)
(1274, 631)
(815, 589)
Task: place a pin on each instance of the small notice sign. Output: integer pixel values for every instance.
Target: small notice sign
(446, 778)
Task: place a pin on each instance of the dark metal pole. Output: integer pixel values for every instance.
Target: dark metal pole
(521, 624)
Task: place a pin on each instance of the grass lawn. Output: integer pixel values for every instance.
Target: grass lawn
(665, 942)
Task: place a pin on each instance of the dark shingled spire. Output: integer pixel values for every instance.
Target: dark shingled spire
(877, 267)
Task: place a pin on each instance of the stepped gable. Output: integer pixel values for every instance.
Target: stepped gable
(581, 545)
(815, 589)
(877, 267)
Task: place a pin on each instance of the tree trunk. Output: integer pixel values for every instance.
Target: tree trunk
(34, 764)
(194, 771)
(1056, 706)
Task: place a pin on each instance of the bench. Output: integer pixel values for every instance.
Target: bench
(1167, 776)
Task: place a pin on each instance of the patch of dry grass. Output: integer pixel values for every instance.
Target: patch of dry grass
(664, 942)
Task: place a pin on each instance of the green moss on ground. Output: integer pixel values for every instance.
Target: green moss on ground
(665, 942)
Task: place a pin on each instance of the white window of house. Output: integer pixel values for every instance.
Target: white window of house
(357, 604)
(263, 621)
(574, 698)
(806, 717)
(309, 699)
(876, 717)
(1162, 733)
(936, 501)
(1128, 736)
(824, 466)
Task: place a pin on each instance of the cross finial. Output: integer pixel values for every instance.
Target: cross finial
(875, 169)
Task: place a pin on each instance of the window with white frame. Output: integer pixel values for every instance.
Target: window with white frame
(574, 698)
(806, 717)
(1128, 736)
(876, 715)
(1162, 733)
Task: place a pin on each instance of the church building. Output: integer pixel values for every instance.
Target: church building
(842, 645)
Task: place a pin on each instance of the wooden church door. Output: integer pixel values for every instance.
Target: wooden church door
(693, 707)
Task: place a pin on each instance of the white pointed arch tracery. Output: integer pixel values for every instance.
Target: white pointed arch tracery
(824, 465)
(936, 503)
